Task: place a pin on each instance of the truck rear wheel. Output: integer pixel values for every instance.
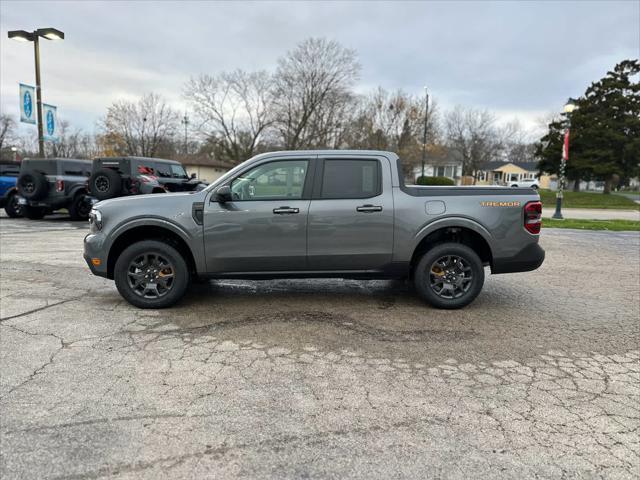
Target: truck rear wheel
(449, 275)
(151, 274)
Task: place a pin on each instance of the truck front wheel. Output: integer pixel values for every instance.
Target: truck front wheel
(151, 274)
(449, 275)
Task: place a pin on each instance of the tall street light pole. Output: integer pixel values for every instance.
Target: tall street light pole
(424, 134)
(185, 122)
(24, 36)
(568, 109)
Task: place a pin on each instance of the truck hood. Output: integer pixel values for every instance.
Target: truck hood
(150, 202)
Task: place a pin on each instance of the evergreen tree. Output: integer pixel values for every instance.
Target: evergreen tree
(605, 131)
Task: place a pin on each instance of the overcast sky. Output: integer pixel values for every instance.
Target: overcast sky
(518, 59)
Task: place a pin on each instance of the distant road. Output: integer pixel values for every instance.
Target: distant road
(594, 213)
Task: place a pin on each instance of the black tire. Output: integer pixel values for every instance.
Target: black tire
(514, 186)
(425, 275)
(33, 185)
(124, 277)
(535, 187)
(105, 183)
(33, 213)
(13, 208)
(80, 207)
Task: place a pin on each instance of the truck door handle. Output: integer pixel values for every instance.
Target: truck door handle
(285, 210)
(369, 208)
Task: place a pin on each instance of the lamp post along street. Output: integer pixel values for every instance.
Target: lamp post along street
(24, 36)
(36, 49)
(185, 122)
(568, 108)
(424, 135)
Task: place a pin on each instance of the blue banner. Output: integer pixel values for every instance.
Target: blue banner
(27, 103)
(50, 122)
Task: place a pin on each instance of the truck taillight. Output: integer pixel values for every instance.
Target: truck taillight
(59, 185)
(533, 217)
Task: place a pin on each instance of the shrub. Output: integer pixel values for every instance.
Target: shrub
(434, 181)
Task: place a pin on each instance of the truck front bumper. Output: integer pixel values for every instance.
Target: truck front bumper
(95, 256)
(527, 259)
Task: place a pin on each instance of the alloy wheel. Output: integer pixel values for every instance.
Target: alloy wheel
(450, 276)
(151, 275)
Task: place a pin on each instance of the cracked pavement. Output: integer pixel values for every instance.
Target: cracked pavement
(540, 377)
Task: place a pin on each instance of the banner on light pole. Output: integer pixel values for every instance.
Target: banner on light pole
(565, 146)
(27, 104)
(50, 120)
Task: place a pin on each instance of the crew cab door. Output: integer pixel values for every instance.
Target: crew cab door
(351, 214)
(264, 227)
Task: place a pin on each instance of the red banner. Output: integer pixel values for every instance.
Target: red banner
(565, 146)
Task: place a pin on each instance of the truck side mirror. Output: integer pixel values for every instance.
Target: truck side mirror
(193, 176)
(223, 194)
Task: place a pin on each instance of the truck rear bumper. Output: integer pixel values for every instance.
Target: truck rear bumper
(527, 259)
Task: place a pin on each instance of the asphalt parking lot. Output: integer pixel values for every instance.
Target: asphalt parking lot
(540, 377)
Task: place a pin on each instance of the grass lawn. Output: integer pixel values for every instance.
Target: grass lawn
(612, 225)
(588, 200)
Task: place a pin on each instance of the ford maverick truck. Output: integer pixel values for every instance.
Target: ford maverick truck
(300, 214)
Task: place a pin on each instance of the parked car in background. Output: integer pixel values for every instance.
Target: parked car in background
(122, 176)
(526, 183)
(340, 214)
(47, 185)
(9, 172)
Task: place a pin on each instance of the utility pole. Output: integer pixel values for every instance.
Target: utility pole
(185, 122)
(24, 36)
(424, 135)
(36, 48)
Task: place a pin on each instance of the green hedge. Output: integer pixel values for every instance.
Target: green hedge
(434, 181)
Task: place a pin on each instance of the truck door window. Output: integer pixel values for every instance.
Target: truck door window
(351, 179)
(271, 181)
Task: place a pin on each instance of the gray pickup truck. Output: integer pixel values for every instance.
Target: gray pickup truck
(336, 214)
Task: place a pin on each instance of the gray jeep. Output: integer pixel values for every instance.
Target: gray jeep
(47, 185)
(113, 177)
(345, 214)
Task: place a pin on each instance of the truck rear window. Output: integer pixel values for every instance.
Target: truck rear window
(351, 179)
(48, 167)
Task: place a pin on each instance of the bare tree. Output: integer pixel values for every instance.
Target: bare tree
(140, 128)
(73, 143)
(312, 83)
(234, 109)
(394, 121)
(7, 129)
(474, 135)
(519, 147)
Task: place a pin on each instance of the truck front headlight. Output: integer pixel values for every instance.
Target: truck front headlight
(95, 220)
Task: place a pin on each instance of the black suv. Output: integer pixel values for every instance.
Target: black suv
(46, 185)
(121, 176)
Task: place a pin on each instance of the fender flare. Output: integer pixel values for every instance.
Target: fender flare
(75, 190)
(147, 221)
(10, 191)
(153, 221)
(457, 221)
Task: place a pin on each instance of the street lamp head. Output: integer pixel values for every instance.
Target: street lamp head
(50, 33)
(21, 35)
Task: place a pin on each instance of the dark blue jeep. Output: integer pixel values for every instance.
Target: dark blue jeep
(9, 172)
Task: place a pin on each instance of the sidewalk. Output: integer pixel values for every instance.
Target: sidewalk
(593, 213)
